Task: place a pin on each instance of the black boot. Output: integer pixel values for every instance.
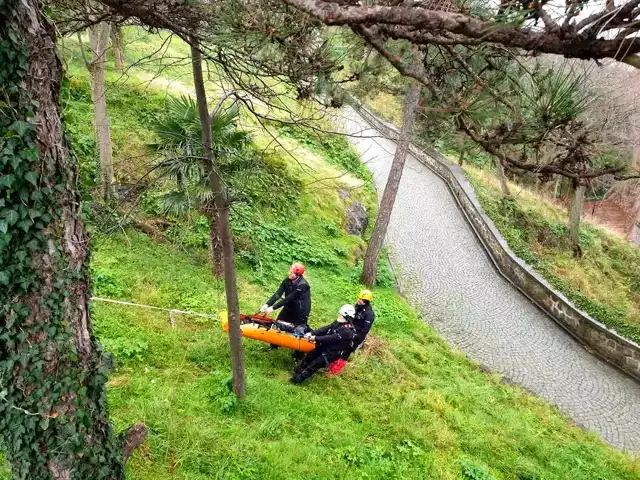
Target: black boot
(297, 378)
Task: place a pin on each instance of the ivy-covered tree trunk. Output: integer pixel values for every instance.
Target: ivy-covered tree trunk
(53, 413)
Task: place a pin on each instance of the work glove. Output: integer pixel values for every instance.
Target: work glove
(307, 335)
(268, 310)
(264, 308)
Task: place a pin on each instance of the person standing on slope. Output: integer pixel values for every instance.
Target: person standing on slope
(332, 342)
(296, 304)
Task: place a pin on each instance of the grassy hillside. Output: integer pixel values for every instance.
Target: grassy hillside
(405, 407)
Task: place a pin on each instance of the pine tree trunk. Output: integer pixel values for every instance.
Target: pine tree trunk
(118, 48)
(215, 244)
(370, 267)
(504, 185)
(224, 228)
(53, 415)
(99, 38)
(576, 206)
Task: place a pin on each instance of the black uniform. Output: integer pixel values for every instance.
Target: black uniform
(362, 324)
(296, 304)
(332, 342)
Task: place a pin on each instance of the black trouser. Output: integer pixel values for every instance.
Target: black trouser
(357, 341)
(314, 361)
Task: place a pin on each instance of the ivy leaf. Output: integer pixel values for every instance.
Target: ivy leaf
(11, 216)
(32, 178)
(21, 127)
(7, 180)
(25, 224)
(3, 226)
(4, 278)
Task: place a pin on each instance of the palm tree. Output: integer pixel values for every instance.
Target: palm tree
(179, 135)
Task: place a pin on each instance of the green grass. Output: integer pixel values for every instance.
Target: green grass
(604, 282)
(411, 409)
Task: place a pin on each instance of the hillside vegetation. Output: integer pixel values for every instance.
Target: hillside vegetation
(407, 406)
(604, 281)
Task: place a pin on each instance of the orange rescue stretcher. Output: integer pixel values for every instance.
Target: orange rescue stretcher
(266, 329)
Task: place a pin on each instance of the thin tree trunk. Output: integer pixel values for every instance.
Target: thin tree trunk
(118, 47)
(215, 244)
(635, 217)
(370, 267)
(54, 422)
(463, 153)
(224, 228)
(99, 39)
(576, 206)
(504, 184)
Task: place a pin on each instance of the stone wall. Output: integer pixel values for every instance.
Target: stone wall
(595, 336)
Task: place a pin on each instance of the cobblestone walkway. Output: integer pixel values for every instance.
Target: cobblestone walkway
(446, 274)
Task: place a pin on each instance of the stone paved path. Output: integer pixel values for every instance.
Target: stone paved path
(447, 275)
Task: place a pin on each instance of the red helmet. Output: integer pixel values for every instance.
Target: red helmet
(297, 268)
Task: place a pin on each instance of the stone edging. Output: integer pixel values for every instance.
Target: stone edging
(596, 337)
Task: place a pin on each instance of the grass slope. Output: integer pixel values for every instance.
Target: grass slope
(410, 409)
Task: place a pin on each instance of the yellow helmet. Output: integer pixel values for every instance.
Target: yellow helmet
(365, 295)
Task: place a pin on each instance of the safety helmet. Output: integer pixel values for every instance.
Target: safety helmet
(365, 295)
(297, 268)
(348, 312)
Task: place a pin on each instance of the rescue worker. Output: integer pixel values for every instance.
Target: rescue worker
(332, 342)
(296, 304)
(364, 318)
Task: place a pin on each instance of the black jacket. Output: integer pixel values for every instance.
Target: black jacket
(336, 336)
(296, 304)
(363, 320)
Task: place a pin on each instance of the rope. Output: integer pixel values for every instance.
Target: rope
(171, 311)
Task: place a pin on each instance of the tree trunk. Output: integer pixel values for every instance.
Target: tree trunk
(635, 218)
(118, 48)
(215, 244)
(463, 153)
(53, 415)
(576, 205)
(370, 267)
(224, 228)
(98, 39)
(504, 184)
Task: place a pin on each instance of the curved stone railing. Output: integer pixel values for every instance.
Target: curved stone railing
(595, 336)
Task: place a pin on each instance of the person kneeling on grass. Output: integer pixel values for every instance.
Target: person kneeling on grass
(332, 342)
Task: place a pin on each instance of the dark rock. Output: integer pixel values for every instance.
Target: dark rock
(357, 218)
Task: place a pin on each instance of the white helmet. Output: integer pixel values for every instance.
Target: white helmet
(348, 312)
